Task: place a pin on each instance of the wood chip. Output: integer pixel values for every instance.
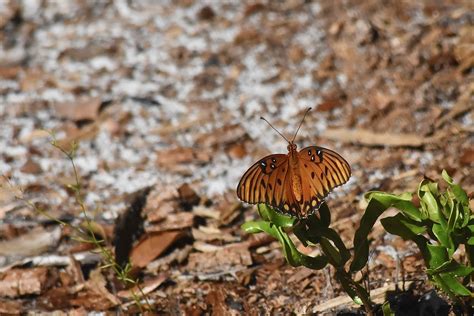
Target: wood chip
(146, 287)
(178, 255)
(31, 167)
(222, 260)
(11, 307)
(369, 138)
(182, 155)
(95, 295)
(205, 235)
(18, 282)
(177, 221)
(467, 157)
(463, 105)
(151, 246)
(301, 274)
(82, 109)
(34, 242)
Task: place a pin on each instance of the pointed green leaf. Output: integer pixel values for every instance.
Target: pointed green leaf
(443, 237)
(253, 227)
(292, 255)
(458, 192)
(454, 217)
(378, 203)
(454, 268)
(470, 241)
(438, 255)
(403, 226)
(361, 245)
(467, 214)
(325, 214)
(315, 263)
(269, 214)
(333, 255)
(402, 202)
(332, 235)
(453, 285)
(349, 288)
(314, 228)
(429, 204)
(386, 309)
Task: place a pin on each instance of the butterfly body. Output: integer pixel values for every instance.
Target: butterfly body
(295, 183)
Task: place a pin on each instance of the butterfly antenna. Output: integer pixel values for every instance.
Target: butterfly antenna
(309, 109)
(262, 118)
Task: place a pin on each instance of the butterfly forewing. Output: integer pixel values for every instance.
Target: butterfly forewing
(260, 183)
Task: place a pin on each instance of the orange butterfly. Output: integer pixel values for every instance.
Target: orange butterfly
(296, 183)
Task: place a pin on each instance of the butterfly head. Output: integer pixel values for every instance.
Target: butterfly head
(291, 147)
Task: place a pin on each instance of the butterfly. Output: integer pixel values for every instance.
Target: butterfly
(296, 183)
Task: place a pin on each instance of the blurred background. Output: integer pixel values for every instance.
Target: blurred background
(168, 95)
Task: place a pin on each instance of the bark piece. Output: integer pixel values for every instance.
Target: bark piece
(177, 221)
(146, 287)
(370, 138)
(222, 260)
(34, 242)
(81, 109)
(151, 246)
(19, 282)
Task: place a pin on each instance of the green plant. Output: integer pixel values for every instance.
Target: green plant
(87, 232)
(312, 231)
(439, 226)
(441, 223)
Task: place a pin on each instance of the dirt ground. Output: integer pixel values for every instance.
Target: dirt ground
(164, 99)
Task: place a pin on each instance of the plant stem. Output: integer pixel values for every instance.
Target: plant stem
(363, 295)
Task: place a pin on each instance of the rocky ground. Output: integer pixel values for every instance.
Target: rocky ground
(165, 98)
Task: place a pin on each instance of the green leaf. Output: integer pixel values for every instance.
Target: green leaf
(315, 263)
(452, 285)
(269, 214)
(458, 192)
(361, 244)
(333, 255)
(349, 288)
(444, 238)
(292, 255)
(295, 258)
(467, 214)
(403, 226)
(402, 202)
(454, 217)
(454, 268)
(387, 310)
(260, 226)
(428, 201)
(332, 235)
(324, 215)
(447, 177)
(438, 255)
(470, 241)
(314, 228)
(301, 232)
(398, 225)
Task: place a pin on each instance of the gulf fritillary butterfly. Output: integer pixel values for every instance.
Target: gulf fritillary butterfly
(296, 183)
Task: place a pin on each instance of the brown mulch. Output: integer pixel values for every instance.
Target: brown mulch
(165, 101)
